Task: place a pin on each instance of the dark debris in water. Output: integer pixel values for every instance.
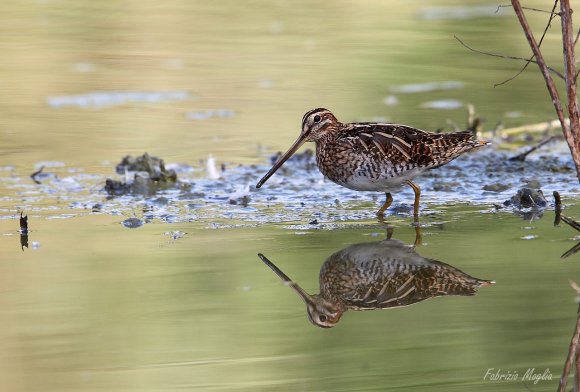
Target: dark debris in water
(149, 176)
(132, 223)
(527, 198)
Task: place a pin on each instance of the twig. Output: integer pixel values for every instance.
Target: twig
(522, 157)
(549, 84)
(577, 370)
(571, 222)
(507, 57)
(35, 174)
(548, 25)
(528, 8)
(529, 128)
(558, 209)
(571, 349)
(571, 251)
(23, 223)
(570, 71)
(23, 231)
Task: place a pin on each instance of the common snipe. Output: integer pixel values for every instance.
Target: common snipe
(378, 275)
(375, 156)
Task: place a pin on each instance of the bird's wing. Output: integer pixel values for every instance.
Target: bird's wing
(391, 141)
(401, 143)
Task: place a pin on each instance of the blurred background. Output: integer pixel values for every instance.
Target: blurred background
(226, 77)
(96, 306)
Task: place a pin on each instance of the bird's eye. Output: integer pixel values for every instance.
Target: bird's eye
(322, 318)
(317, 118)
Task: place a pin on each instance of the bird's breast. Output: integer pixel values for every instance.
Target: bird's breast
(356, 170)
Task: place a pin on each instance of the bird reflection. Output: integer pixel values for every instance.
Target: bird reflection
(378, 275)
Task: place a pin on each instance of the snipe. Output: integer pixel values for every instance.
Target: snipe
(378, 275)
(375, 156)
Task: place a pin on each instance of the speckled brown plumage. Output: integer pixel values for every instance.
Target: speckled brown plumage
(375, 156)
(379, 275)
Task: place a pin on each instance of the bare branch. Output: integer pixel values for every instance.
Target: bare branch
(548, 25)
(528, 8)
(577, 36)
(522, 157)
(547, 77)
(507, 57)
(572, 349)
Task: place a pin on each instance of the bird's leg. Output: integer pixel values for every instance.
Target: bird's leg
(390, 231)
(388, 201)
(417, 191)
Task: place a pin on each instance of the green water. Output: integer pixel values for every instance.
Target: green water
(92, 305)
(98, 306)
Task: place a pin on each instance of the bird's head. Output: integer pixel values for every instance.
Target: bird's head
(315, 125)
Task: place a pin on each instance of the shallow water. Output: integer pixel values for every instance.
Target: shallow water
(97, 305)
(167, 292)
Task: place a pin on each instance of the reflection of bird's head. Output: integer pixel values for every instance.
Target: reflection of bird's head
(321, 312)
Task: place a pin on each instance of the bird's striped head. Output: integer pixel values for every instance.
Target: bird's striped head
(316, 123)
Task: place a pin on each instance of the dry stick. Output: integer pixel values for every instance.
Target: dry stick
(528, 128)
(558, 209)
(528, 8)
(570, 71)
(522, 157)
(571, 222)
(577, 373)
(571, 349)
(548, 25)
(503, 56)
(550, 85)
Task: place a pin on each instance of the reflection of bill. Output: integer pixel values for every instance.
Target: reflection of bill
(378, 275)
(531, 374)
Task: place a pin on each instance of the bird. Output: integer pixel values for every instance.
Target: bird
(379, 157)
(378, 275)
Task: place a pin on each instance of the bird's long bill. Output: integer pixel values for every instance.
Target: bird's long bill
(300, 141)
(303, 294)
